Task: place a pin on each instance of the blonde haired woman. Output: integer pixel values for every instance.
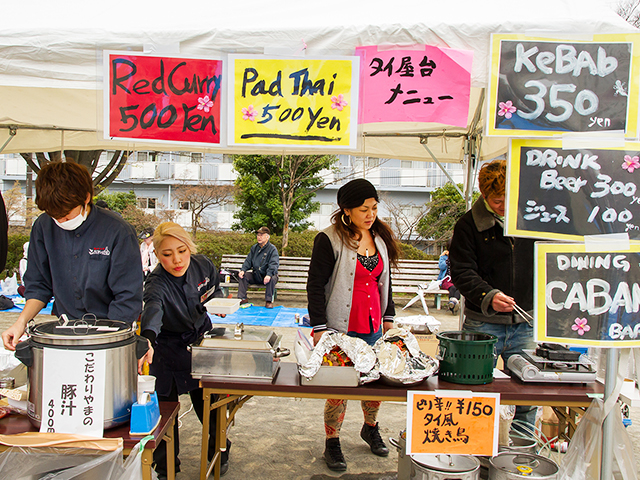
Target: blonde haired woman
(173, 318)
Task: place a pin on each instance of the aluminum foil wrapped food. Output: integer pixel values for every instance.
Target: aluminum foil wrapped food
(401, 361)
(357, 350)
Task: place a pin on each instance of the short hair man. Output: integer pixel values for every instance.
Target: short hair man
(87, 258)
(494, 272)
(263, 261)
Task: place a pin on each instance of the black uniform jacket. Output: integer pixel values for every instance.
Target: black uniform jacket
(485, 262)
(174, 317)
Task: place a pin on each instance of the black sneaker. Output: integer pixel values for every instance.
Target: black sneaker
(371, 435)
(333, 455)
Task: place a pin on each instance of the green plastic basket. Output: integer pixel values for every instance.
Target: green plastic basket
(466, 357)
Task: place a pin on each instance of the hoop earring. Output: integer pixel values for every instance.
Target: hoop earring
(345, 223)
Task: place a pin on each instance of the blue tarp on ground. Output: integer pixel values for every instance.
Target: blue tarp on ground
(271, 317)
(18, 302)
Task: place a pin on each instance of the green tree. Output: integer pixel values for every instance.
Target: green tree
(444, 210)
(119, 201)
(278, 191)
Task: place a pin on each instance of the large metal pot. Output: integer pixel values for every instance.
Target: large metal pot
(404, 460)
(444, 467)
(122, 346)
(433, 467)
(520, 466)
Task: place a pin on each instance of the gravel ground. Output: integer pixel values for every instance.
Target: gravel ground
(282, 438)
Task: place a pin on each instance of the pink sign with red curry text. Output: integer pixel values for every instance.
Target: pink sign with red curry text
(422, 83)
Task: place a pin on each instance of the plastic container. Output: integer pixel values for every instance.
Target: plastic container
(466, 357)
(146, 383)
(217, 306)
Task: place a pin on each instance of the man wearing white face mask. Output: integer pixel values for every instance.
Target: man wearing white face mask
(87, 258)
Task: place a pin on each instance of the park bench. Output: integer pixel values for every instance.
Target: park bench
(293, 272)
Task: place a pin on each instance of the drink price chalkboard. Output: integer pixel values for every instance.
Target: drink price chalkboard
(542, 87)
(565, 194)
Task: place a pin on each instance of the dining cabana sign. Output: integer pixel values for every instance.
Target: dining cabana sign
(586, 297)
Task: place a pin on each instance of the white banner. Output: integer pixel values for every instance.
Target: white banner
(73, 391)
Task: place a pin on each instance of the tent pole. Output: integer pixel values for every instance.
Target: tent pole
(12, 134)
(470, 155)
(606, 466)
(423, 142)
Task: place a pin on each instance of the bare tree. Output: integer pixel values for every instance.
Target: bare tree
(404, 218)
(628, 9)
(17, 204)
(198, 197)
(89, 159)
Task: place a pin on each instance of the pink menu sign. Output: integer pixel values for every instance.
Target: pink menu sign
(422, 83)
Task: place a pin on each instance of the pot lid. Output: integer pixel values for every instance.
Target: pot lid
(525, 465)
(242, 338)
(85, 331)
(447, 463)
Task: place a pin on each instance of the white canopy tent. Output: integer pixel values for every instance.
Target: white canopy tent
(51, 53)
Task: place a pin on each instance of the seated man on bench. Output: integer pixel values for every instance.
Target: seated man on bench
(264, 261)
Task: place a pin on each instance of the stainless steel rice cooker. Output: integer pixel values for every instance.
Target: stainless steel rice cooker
(519, 466)
(123, 348)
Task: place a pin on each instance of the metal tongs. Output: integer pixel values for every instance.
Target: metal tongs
(521, 311)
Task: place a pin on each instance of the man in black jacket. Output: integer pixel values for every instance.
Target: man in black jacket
(263, 260)
(494, 272)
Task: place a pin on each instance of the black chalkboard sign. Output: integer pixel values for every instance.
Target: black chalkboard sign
(587, 298)
(544, 87)
(566, 194)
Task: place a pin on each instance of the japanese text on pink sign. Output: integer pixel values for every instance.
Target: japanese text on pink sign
(423, 84)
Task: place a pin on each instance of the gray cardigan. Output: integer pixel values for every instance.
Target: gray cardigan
(338, 290)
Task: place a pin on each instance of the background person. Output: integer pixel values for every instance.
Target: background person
(147, 253)
(174, 317)
(494, 272)
(263, 261)
(444, 265)
(349, 291)
(86, 258)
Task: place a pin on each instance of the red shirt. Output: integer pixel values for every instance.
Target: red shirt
(365, 302)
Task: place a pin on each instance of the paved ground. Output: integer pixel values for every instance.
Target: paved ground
(283, 438)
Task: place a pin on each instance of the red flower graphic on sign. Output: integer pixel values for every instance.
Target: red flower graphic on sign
(338, 102)
(249, 113)
(631, 163)
(580, 326)
(205, 103)
(507, 109)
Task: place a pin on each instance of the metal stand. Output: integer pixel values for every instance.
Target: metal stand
(610, 378)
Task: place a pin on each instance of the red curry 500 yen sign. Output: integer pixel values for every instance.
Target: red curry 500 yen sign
(162, 98)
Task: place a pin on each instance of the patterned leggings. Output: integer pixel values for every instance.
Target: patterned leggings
(334, 410)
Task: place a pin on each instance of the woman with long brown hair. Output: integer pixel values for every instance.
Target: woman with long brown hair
(349, 291)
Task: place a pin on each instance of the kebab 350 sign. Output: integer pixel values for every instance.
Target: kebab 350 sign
(162, 98)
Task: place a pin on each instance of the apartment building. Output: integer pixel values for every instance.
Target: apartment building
(404, 186)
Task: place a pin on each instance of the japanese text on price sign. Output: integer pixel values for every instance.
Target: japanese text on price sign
(452, 422)
(565, 194)
(162, 98)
